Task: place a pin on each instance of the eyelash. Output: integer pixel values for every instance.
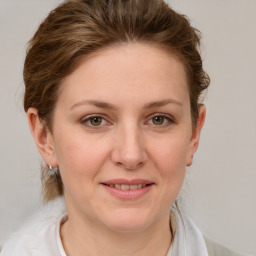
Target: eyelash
(85, 121)
(167, 118)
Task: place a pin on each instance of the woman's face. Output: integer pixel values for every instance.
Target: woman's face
(122, 136)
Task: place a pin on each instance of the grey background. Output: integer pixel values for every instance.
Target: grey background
(220, 188)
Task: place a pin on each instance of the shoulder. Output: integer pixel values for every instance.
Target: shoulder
(37, 236)
(187, 233)
(216, 249)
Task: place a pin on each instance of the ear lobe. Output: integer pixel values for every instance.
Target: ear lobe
(194, 143)
(42, 137)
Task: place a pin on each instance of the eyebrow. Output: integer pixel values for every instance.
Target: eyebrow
(162, 103)
(101, 104)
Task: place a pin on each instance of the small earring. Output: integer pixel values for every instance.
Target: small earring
(53, 171)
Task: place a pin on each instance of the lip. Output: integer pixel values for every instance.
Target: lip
(128, 182)
(128, 194)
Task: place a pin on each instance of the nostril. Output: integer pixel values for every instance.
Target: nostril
(130, 166)
(119, 163)
(133, 167)
(139, 164)
(128, 156)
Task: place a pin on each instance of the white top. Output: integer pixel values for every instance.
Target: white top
(41, 236)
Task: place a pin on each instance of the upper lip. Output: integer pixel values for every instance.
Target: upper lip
(128, 182)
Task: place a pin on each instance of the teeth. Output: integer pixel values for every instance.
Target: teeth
(127, 187)
(132, 187)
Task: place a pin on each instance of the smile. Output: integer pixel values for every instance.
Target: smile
(127, 186)
(128, 189)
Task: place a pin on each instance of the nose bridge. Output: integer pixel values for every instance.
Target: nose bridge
(129, 150)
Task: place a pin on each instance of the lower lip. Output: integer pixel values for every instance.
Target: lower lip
(128, 194)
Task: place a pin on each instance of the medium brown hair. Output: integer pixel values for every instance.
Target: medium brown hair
(80, 27)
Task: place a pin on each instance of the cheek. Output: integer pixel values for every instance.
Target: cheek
(169, 156)
(170, 152)
(80, 157)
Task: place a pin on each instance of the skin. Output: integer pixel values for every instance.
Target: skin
(135, 139)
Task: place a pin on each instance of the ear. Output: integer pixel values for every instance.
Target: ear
(194, 142)
(42, 137)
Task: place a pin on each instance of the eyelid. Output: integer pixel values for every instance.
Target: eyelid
(88, 117)
(170, 118)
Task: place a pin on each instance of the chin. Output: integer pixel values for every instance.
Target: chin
(128, 221)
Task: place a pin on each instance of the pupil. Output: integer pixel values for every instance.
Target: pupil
(158, 120)
(96, 121)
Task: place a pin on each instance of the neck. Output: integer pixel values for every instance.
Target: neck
(83, 238)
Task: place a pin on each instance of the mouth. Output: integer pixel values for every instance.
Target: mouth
(128, 189)
(127, 186)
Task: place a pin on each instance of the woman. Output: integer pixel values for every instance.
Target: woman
(113, 102)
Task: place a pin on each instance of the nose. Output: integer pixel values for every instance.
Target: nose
(128, 150)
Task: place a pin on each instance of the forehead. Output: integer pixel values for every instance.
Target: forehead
(127, 72)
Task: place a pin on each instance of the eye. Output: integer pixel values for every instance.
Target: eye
(94, 121)
(160, 120)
